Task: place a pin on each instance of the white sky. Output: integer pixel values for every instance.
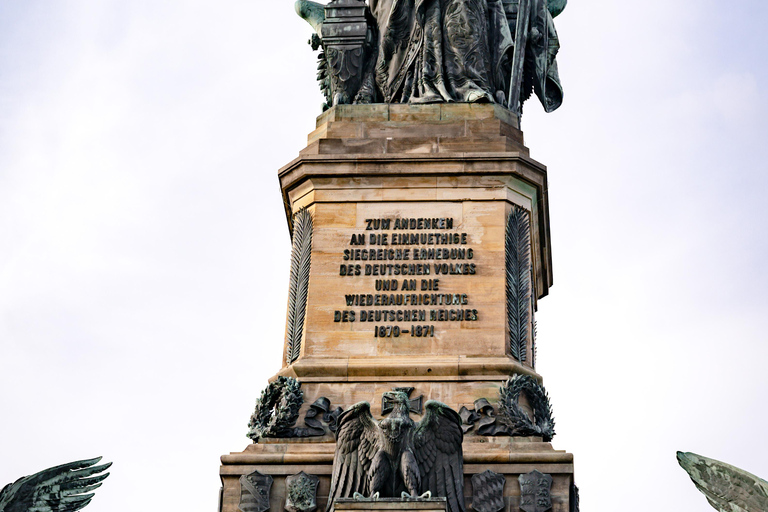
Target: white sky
(144, 251)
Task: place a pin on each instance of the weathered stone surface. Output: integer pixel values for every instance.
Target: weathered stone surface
(488, 491)
(301, 492)
(474, 282)
(393, 505)
(254, 492)
(535, 492)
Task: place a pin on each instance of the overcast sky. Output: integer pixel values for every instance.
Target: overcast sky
(144, 250)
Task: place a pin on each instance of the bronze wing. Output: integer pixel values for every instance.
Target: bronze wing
(727, 488)
(356, 444)
(437, 447)
(64, 488)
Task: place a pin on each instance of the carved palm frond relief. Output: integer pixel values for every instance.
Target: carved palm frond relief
(518, 282)
(298, 289)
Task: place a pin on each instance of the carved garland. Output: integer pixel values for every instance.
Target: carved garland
(277, 409)
(301, 256)
(518, 280)
(515, 418)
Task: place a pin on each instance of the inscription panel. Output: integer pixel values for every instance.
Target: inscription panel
(408, 257)
(409, 278)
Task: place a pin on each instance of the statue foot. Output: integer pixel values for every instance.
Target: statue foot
(427, 99)
(478, 97)
(341, 99)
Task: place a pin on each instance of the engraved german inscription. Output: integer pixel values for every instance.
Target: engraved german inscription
(411, 258)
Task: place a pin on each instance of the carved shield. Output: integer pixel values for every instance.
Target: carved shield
(488, 492)
(535, 490)
(301, 492)
(254, 492)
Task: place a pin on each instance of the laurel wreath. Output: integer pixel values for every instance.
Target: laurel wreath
(515, 418)
(277, 409)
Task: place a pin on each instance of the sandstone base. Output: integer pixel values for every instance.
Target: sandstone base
(508, 456)
(464, 169)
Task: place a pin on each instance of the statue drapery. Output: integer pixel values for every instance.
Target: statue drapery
(432, 51)
(441, 50)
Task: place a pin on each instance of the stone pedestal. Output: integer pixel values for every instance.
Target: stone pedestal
(390, 505)
(407, 287)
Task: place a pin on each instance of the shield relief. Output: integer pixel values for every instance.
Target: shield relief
(535, 488)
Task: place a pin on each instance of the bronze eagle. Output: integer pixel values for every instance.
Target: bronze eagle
(398, 457)
(65, 488)
(727, 488)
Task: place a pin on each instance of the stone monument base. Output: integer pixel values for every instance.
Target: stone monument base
(401, 218)
(509, 456)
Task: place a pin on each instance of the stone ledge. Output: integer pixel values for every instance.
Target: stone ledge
(417, 113)
(390, 504)
(432, 368)
(355, 163)
(477, 450)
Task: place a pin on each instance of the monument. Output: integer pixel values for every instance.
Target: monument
(421, 247)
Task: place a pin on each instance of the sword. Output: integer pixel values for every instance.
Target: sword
(518, 57)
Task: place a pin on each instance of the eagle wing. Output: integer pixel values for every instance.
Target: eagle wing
(357, 440)
(64, 488)
(727, 488)
(437, 447)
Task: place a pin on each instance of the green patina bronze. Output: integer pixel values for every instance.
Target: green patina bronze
(727, 488)
(65, 488)
(433, 51)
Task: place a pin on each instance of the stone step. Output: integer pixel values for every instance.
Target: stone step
(417, 113)
(435, 144)
(397, 130)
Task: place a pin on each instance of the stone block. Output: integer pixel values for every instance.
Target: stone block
(414, 113)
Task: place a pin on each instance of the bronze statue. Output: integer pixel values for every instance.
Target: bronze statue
(64, 488)
(397, 457)
(727, 488)
(432, 51)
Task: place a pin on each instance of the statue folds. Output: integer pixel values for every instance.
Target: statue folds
(433, 51)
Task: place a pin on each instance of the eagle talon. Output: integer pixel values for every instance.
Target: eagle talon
(359, 497)
(426, 496)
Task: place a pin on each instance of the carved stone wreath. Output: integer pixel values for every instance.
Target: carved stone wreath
(277, 409)
(515, 418)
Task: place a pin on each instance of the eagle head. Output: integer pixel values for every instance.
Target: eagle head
(398, 423)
